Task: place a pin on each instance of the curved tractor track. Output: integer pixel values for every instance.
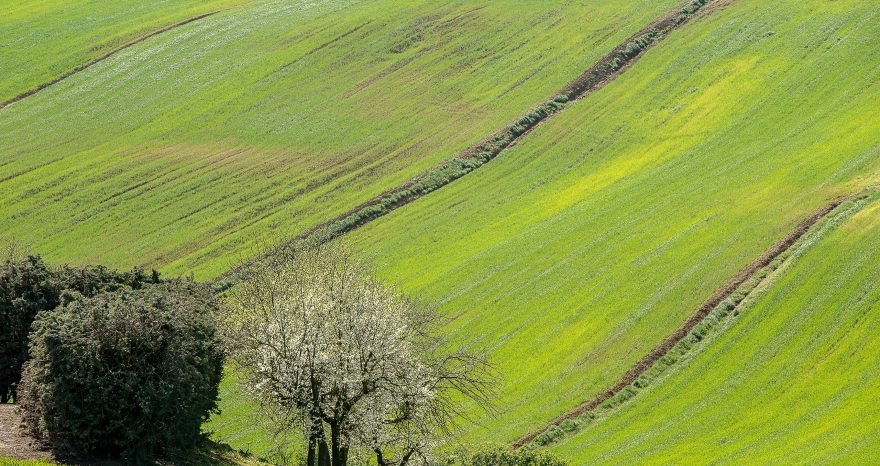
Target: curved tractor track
(103, 57)
(744, 275)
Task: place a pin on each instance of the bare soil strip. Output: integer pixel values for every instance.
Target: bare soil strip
(12, 443)
(102, 58)
(608, 68)
(702, 312)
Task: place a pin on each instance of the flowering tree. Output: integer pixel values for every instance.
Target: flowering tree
(348, 360)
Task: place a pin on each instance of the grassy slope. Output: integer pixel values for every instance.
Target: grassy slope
(573, 254)
(244, 426)
(793, 380)
(270, 118)
(43, 39)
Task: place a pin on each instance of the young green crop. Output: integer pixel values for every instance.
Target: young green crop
(792, 380)
(573, 254)
(183, 151)
(41, 40)
(569, 256)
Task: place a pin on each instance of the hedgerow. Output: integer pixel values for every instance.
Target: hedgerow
(448, 172)
(486, 151)
(504, 456)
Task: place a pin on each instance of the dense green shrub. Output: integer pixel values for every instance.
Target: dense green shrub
(28, 286)
(693, 7)
(505, 456)
(124, 373)
(92, 280)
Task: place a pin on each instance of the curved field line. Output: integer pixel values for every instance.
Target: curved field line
(702, 312)
(103, 57)
(604, 71)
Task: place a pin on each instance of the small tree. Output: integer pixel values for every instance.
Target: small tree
(347, 359)
(125, 373)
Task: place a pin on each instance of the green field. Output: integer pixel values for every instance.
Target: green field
(576, 252)
(41, 40)
(186, 151)
(792, 380)
(568, 257)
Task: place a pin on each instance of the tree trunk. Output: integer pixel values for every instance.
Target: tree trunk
(340, 451)
(313, 448)
(323, 452)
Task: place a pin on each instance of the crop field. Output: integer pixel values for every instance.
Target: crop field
(793, 379)
(573, 254)
(44, 39)
(567, 258)
(187, 150)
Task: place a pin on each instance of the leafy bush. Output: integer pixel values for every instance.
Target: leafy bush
(569, 425)
(28, 286)
(505, 456)
(124, 373)
(693, 7)
(92, 280)
(550, 435)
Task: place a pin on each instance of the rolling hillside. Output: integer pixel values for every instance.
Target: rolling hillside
(576, 252)
(568, 257)
(183, 151)
(793, 378)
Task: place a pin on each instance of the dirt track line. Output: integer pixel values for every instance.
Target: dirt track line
(103, 57)
(604, 71)
(702, 312)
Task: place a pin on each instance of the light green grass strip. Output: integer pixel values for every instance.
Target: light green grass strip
(42, 40)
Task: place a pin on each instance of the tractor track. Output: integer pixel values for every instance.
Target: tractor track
(702, 312)
(103, 57)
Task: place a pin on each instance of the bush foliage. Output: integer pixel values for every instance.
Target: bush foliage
(505, 456)
(29, 286)
(123, 373)
(26, 287)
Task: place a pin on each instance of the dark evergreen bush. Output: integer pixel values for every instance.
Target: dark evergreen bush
(28, 286)
(125, 373)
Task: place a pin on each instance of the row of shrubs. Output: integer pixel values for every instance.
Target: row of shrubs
(497, 455)
(107, 363)
(447, 172)
(473, 159)
(638, 45)
(693, 7)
